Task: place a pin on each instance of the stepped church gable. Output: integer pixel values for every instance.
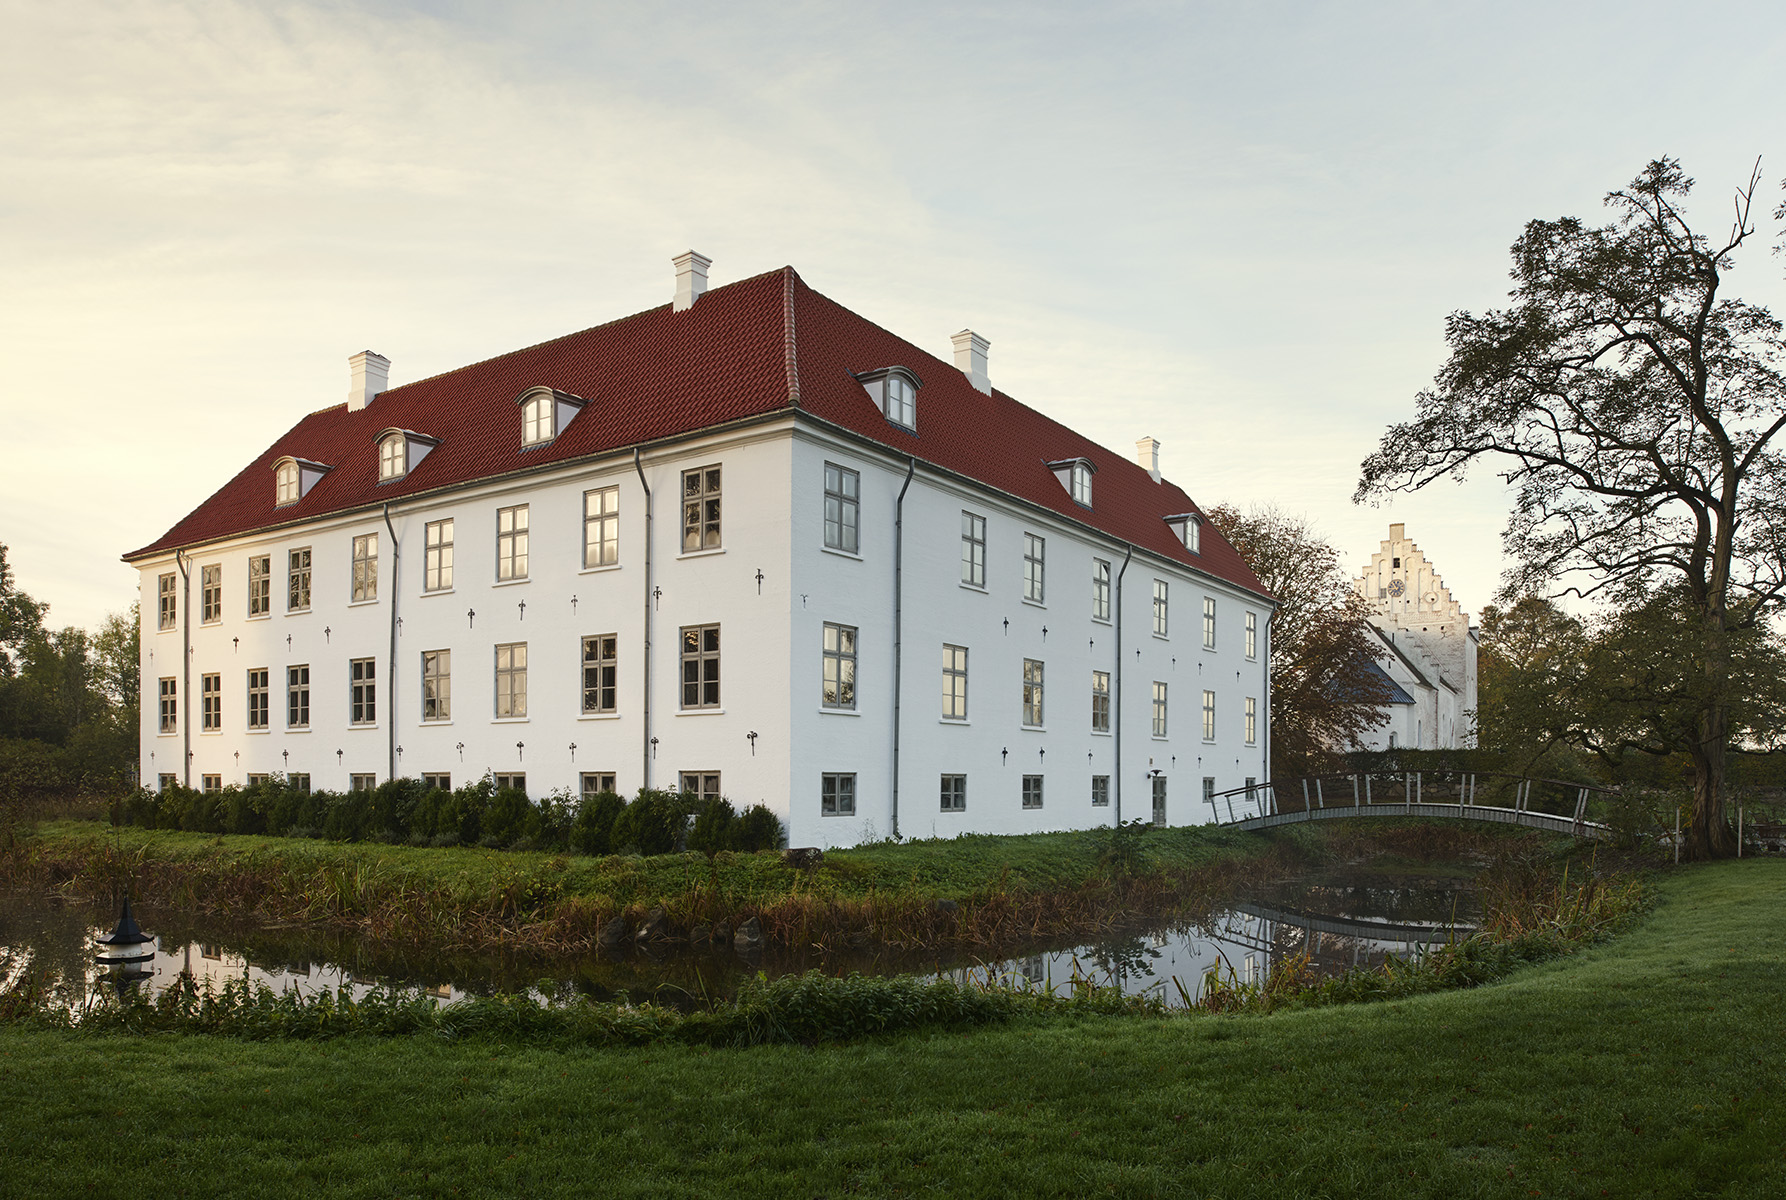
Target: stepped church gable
(746, 543)
(1428, 650)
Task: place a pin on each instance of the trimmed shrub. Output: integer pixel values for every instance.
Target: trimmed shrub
(756, 829)
(712, 829)
(652, 824)
(592, 829)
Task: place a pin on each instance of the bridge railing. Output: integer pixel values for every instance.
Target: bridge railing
(1465, 789)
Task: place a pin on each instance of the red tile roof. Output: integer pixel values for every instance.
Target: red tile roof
(752, 348)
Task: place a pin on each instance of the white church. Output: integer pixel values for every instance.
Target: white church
(744, 543)
(1427, 649)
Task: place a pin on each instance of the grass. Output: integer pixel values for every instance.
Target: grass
(1646, 1066)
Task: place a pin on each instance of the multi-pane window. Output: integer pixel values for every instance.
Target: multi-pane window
(843, 494)
(511, 679)
(973, 550)
(255, 777)
(537, 424)
(210, 594)
(1209, 716)
(437, 685)
(259, 715)
(1159, 800)
(1034, 549)
(1082, 484)
(211, 783)
(704, 784)
(299, 781)
(1209, 791)
(166, 602)
(297, 581)
(365, 567)
(437, 559)
(1252, 721)
(297, 697)
(260, 586)
(954, 793)
(1100, 791)
(1252, 635)
(954, 683)
(391, 453)
(511, 542)
(1160, 626)
(210, 703)
(1032, 791)
(509, 781)
(599, 673)
(285, 484)
(167, 781)
(1159, 709)
(594, 783)
(601, 527)
(438, 780)
(1032, 692)
(700, 666)
(902, 401)
(362, 783)
(837, 795)
(840, 667)
(1100, 590)
(362, 696)
(170, 704)
(1100, 702)
(700, 509)
(1209, 622)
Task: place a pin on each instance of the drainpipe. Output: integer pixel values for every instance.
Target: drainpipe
(391, 694)
(898, 616)
(185, 666)
(645, 746)
(1118, 680)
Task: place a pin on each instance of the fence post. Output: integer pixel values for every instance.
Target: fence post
(1739, 828)
(1677, 835)
(1305, 805)
(1367, 789)
(1355, 801)
(1319, 798)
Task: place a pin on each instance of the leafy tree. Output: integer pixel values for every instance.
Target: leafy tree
(1636, 412)
(1529, 663)
(21, 619)
(1325, 696)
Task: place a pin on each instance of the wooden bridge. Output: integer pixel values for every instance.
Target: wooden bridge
(1553, 805)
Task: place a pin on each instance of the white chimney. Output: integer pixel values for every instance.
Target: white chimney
(691, 279)
(368, 375)
(1147, 453)
(970, 356)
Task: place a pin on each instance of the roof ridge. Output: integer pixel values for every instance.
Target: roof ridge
(790, 345)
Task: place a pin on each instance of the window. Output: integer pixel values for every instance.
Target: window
(1209, 716)
(1252, 786)
(365, 567)
(166, 602)
(537, 420)
(973, 550)
(285, 484)
(210, 594)
(211, 783)
(594, 783)
(391, 457)
(437, 564)
(843, 492)
(170, 705)
(1033, 551)
(954, 683)
(210, 703)
(1032, 791)
(1100, 590)
(902, 401)
(299, 781)
(1209, 622)
(1032, 692)
(1100, 702)
(260, 586)
(297, 581)
(1159, 709)
(1160, 625)
(511, 679)
(837, 795)
(258, 707)
(362, 783)
(954, 793)
(254, 778)
(1252, 721)
(511, 542)
(599, 671)
(297, 697)
(840, 667)
(362, 691)
(700, 509)
(1209, 792)
(167, 781)
(438, 780)
(1082, 484)
(1100, 791)
(601, 527)
(1252, 635)
(510, 780)
(704, 784)
(437, 685)
(700, 666)
(1159, 800)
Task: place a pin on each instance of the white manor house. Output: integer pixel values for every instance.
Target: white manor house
(747, 543)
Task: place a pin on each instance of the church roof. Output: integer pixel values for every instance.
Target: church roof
(757, 348)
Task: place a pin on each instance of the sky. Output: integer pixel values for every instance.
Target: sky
(1236, 228)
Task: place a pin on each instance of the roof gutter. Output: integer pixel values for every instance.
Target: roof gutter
(911, 469)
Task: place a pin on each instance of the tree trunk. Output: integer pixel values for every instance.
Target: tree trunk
(1708, 835)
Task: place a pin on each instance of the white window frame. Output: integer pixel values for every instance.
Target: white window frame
(1252, 637)
(1159, 708)
(285, 485)
(902, 402)
(210, 712)
(260, 700)
(393, 457)
(1252, 721)
(1081, 477)
(704, 659)
(260, 586)
(210, 594)
(704, 784)
(843, 509)
(298, 566)
(1035, 568)
(954, 682)
(837, 794)
(701, 510)
(1034, 711)
(601, 675)
(297, 696)
(952, 793)
(1208, 715)
(1033, 792)
(1162, 626)
(601, 527)
(437, 555)
(511, 680)
(539, 420)
(1209, 622)
(168, 702)
(973, 549)
(437, 685)
(1100, 590)
(362, 691)
(593, 783)
(167, 602)
(1100, 702)
(838, 649)
(511, 543)
(365, 568)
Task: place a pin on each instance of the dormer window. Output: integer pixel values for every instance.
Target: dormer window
(294, 477)
(544, 414)
(894, 391)
(400, 451)
(1188, 527)
(1075, 475)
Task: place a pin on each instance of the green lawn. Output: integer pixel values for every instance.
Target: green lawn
(1649, 1066)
